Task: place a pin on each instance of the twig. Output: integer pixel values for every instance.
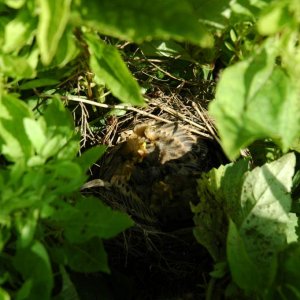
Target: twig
(210, 129)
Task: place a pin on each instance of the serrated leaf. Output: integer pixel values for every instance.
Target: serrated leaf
(140, 20)
(247, 86)
(19, 31)
(110, 69)
(16, 144)
(34, 265)
(96, 220)
(53, 19)
(87, 257)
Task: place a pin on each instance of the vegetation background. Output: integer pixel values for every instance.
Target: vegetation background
(58, 53)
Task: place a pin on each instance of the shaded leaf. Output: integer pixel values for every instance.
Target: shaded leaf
(87, 257)
(38, 277)
(96, 220)
(139, 20)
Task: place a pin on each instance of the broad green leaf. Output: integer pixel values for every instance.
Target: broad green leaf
(19, 31)
(219, 192)
(16, 67)
(36, 83)
(140, 20)
(34, 265)
(67, 49)
(244, 271)
(58, 118)
(267, 224)
(26, 225)
(212, 12)
(90, 156)
(68, 290)
(287, 282)
(110, 69)
(96, 220)
(210, 218)
(16, 144)
(66, 177)
(16, 4)
(87, 257)
(256, 99)
(274, 18)
(4, 295)
(53, 18)
(35, 133)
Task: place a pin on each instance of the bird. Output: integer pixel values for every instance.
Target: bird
(152, 172)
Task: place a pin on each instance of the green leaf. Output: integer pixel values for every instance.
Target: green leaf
(109, 68)
(4, 295)
(53, 19)
(212, 12)
(243, 270)
(219, 191)
(87, 257)
(96, 220)
(210, 218)
(36, 83)
(90, 156)
(16, 4)
(247, 86)
(34, 265)
(288, 275)
(267, 224)
(19, 31)
(165, 49)
(140, 20)
(275, 17)
(16, 66)
(67, 48)
(26, 225)
(16, 144)
(35, 133)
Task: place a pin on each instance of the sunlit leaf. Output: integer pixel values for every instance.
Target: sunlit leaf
(110, 69)
(256, 99)
(267, 226)
(19, 31)
(16, 144)
(53, 18)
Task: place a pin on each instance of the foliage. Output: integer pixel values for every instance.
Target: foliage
(246, 218)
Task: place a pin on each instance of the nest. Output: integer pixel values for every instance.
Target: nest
(147, 252)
